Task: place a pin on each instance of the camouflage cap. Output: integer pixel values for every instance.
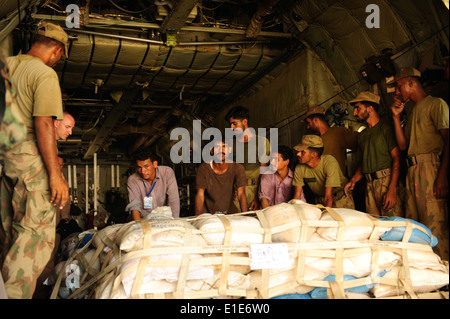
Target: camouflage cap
(315, 110)
(405, 72)
(55, 32)
(309, 141)
(367, 97)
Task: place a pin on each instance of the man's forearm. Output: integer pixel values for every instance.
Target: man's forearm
(395, 169)
(45, 136)
(135, 215)
(199, 200)
(264, 202)
(298, 190)
(399, 134)
(242, 199)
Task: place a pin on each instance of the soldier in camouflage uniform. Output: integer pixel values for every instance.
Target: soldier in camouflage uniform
(426, 139)
(379, 159)
(31, 168)
(12, 132)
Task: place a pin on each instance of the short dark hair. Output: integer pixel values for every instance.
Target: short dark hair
(238, 112)
(318, 150)
(143, 154)
(41, 39)
(285, 152)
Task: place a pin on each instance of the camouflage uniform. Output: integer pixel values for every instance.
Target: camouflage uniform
(375, 146)
(376, 190)
(423, 206)
(24, 187)
(32, 216)
(428, 119)
(12, 132)
(33, 222)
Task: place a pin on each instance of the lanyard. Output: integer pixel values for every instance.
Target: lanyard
(151, 189)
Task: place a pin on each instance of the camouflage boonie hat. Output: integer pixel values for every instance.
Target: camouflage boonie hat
(405, 72)
(309, 141)
(55, 32)
(367, 97)
(315, 110)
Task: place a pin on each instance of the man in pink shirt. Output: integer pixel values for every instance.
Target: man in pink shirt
(277, 188)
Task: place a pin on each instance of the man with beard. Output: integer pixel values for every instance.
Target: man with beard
(336, 139)
(379, 159)
(216, 182)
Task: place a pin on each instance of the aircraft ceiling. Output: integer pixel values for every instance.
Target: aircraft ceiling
(137, 69)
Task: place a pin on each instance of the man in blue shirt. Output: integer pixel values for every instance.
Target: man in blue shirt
(151, 186)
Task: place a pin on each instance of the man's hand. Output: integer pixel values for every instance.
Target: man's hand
(348, 188)
(397, 106)
(389, 199)
(254, 205)
(440, 186)
(60, 191)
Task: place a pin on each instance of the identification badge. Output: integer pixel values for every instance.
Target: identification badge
(148, 203)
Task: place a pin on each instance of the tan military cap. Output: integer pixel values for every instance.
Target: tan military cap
(55, 32)
(309, 141)
(405, 72)
(367, 97)
(315, 110)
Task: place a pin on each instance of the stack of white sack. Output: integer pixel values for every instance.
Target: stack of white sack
(332, 253)
(149, 259)
(222, 229)
(346, 244)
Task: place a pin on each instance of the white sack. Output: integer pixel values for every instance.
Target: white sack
(235, 281)
(283, 214)
(423, 280)
(165, 232)
(245, 229)
(358, 226)
(281, 277)
(360, 264)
